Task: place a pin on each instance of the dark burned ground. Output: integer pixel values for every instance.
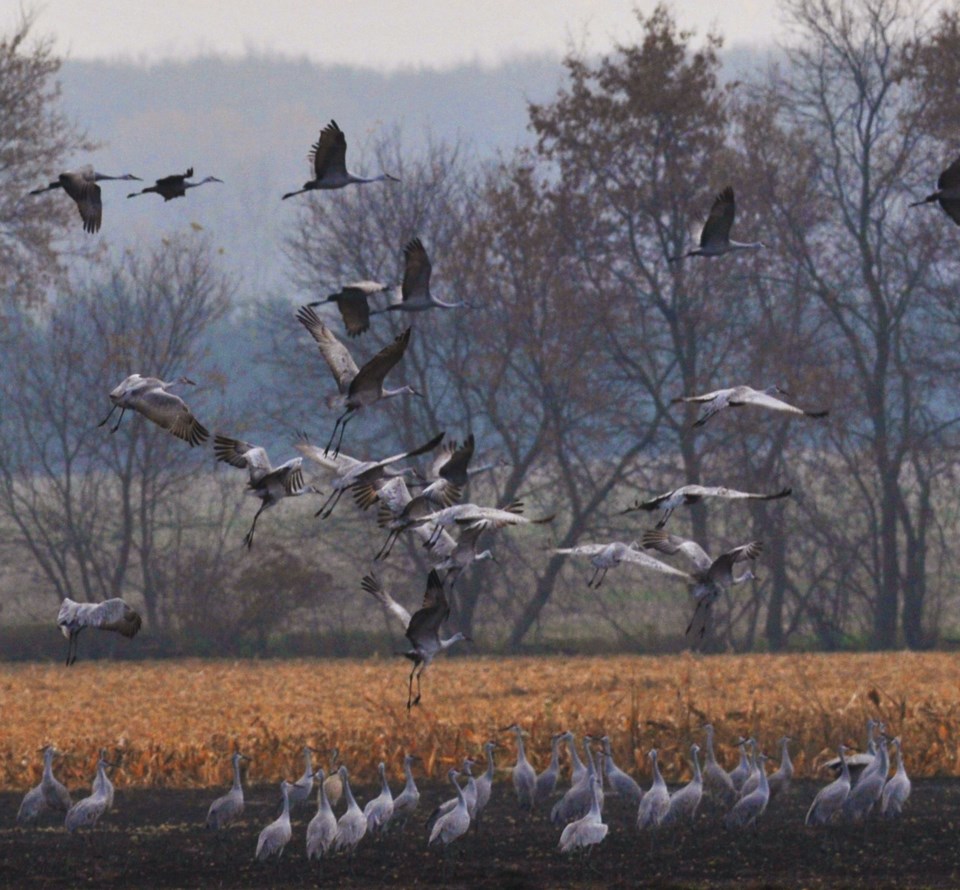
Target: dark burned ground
(154, 838)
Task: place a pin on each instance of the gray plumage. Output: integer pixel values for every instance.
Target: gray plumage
(524, 775)
(740, 396)
(694, 494)
(81, 185)
(379, 810)
(715, 237)
(750, 808)
(577, 800)
(49, 796)
(277, 834)
(866, 794)
(897, 790)
(322, 828)
(620, 782)
(87, 812)
(452, 825)
(685, 801)
(112, 614)
(174, 186)
(352, 825)
(268, 483)
(656, 801)
(716, 780)
(829, 800)
(229, 807)
(546, 782)
(741, 772)
(589, 830)
(485, 782)
(406, 802)
(150, 397)
(469, 795)
(299, 792)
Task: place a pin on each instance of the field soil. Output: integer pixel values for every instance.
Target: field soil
(154, 838)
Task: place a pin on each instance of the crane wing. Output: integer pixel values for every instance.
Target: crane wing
(338, 463)
(720, 219)
(705, 397)
(416, 270)
(115, 614)
(354, 309)
(335, 354)
(435, 610)
(373, 372)
(329, 153)
(657, 539)
(240, 454)
(371, 584)
(87, 196)
(638, 558)
(950, 178)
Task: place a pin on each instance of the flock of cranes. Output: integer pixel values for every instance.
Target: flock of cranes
(427, 504)
(863, 790)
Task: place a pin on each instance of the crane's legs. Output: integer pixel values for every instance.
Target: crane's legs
(410, 688)
(705, 416)
(664, 518)
(341, 424)
(116, 426)
(248, 537)
(335, 497)
(387, 547)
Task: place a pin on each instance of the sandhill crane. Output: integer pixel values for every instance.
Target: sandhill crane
(869, 788)
(588, 830)
(693, 494)
(485, 783)
(112, 614)
(546, 782)
(449, 473)
(739, 396)
(333, 784)
(352, 825)
(229, 807)
(174, 186)
(379, 811)
(752, 781)
(81, 185)
(751, 807)
(270, 484)
(620, 782)
(322, 828)
(149, 396)
(656, 801)
(709, 577)
(363, 477)
(780, 780)
(829, 800)
(463, 554)
(328, 157)
(406, 802)
(577, 767)
(358, 386)
(524, 775)
(353, 302)
(685, 801)
(741, 772)
(716, 780)
(50, 794)
(897, 790)
(422, 628)
(469, 795)
(452, 825)
(604, 557)
(414, 292)
(85, 813)
(857, 763)
(299, 792)
(575, 803)
(277, 834)
(715, 236)
(947, 194)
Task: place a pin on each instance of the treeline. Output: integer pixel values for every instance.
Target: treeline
(578, 335)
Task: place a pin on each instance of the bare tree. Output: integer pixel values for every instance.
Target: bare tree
(34, 139)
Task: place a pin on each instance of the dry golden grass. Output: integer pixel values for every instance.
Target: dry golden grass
(176, 722)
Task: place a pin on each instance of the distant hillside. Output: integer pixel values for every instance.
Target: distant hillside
(251, 121)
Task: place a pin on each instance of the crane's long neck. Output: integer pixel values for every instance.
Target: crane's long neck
(697, 775)
(490, 767)
(411, 785)
(446, 644)
(844, 770)
(236, 774)
(461, 800)
(308, 767)
(764, 785)
(48, 765)
(399, 391)
(591, 767)
(785, 762)
(657, 778)
(521, 753)
(384, 787)
(574, 757)
(595, 799)
(746, 245)
(348, 792)
(711, 756)
(555, 754)
(285, 789)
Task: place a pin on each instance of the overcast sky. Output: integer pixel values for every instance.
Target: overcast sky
(383, 34)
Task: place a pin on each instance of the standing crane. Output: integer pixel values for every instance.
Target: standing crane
(50, 794)
(829, 800)
(379, 811)
(752, 806)
(85, 813)
(524, 775)
(277, 834)
(622, 783)
(716, 780)
(322, 828)
(328, 157)
(150, 397)
(656, 801)
(174, 186)
(454, 824)
(112, 614)
(406, 802)
(685, 801)
(485, 783)
(229, 807)
(358, 387)
(546, 782)
(897, 790)
(588, 830)
(422, 628)
(81, 185)
(352, 825)
(715, 236)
